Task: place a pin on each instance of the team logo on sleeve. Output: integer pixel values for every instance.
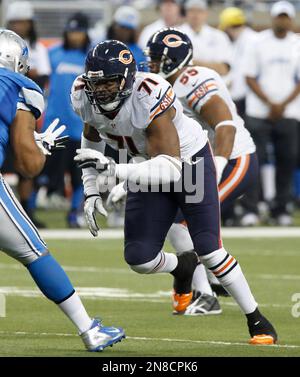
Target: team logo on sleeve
(125, 57)
(167, 100)
(172, 40)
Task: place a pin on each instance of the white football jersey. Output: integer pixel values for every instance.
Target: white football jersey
(194, 87)
(151, 96)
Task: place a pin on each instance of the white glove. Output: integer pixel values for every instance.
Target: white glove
(116, 195)
(92, 205)
(50, 140)
(90, 158)
(221, 162)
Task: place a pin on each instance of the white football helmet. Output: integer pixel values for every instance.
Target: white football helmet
(13, 52)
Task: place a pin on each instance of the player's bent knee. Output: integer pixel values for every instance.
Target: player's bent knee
(25, 257)
(139, 253)
(145, 268)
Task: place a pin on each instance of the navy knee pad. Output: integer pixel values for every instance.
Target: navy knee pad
(140, 252)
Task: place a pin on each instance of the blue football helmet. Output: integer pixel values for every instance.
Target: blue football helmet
(168, 51)
(110, 70)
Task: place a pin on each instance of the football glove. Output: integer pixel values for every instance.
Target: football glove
(116, 196)
(50, 140)
(92, 205)
(90, 158)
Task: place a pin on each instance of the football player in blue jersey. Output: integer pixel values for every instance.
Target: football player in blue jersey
(21, 104)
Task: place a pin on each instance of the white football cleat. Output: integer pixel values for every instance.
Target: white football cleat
(284, 220)
(249, 219)
(99, 337)
(203, 304)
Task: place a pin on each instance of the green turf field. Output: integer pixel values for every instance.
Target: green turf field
(141, 304)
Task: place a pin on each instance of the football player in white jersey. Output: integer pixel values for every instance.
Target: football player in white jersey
(205, 97)
(140, 112)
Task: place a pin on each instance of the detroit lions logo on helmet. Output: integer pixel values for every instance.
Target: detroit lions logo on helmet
(125, 57)
(173, 40)
(25, 51)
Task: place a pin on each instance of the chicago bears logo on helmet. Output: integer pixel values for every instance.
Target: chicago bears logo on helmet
(173, 40)
(125, 57)
(168, 50)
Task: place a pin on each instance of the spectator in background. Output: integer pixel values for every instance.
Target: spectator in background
(272, 71)
(233, 22)
(20, 19)
(67, 62)
(124, 28)
(170, 15)
(212, 47)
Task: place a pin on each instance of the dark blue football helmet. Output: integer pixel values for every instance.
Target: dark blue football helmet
(169, 50)
(110, 70)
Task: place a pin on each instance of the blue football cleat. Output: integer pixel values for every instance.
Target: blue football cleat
(99, 337)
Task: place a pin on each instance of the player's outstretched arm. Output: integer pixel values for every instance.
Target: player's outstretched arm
(91, 141)
(29, 159)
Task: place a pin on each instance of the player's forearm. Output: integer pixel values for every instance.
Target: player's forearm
(89, 174)
(293, 95)
(159, 170)
(255, 87)
(30, 164)
(224, 140)
(28, 158)
(216, 113)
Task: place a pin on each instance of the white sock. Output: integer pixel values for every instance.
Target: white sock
(75, 311)
(200, 281)
(168, 262)
(180, 238)
(163, 262)
(230, 275)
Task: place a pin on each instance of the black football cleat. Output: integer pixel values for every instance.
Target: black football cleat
(262, 332)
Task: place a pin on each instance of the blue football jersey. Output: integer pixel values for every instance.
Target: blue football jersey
(66, 65)
(16, 92)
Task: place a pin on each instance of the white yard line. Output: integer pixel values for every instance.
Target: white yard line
(128, 271)
(140, 338)
(82, 269)
(104, 293)
(84, 234)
